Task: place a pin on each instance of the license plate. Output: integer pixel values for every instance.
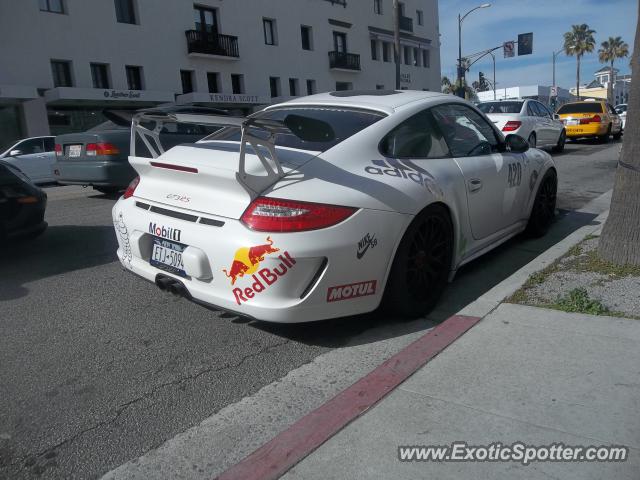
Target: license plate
(74, 150)
(573, 122)
(167, 256)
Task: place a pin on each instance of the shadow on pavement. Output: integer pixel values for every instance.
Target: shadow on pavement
(60, 249)
(471, 281)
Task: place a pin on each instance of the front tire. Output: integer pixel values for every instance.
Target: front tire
(559, 148)
(422, 264)
(544, 206)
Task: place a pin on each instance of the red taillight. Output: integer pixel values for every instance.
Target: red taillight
(511, 125)
(278, 215)
(131, 188)
(594, 119)
(58, 150)
(93, 149)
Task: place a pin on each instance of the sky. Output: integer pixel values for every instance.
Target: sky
(548, 20)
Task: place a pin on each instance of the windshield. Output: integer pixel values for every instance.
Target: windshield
(339, 124)
(500, 107)
(585, 107)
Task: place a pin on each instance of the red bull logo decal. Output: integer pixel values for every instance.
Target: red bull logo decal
(353, 290)
(246, 262)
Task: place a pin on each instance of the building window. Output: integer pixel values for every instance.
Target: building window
(274, 86)
(379, 87)
(386, 51)
(269, 26)
(186, 77)
(420, 17)
(340, 42)
(53, 6)
(374, 49)
(134, 77)
(125, 11)
(293, 87)
(305, 33)
(311, 87)
(426, 58)
(205, 20)
(416, 56)
(212, 82)
(344, 86)
(100, 75)
(407, 55)
(377, 6)
(61, 70)
(237, 83)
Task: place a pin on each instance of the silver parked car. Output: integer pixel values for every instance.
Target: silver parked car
(34, 157)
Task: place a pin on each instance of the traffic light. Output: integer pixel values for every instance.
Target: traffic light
(481, 78)
(525, 44)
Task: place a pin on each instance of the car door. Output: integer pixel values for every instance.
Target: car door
(30, 158)
(543, 120)
(493, 178)
(616, 122)
(555, 126)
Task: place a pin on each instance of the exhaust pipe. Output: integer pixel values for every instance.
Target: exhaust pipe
(173, 286)
(163, 283)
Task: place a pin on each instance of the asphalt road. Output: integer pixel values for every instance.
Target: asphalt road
(98, 367)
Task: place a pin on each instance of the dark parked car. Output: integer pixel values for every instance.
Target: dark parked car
(22, 204)
(99, 156)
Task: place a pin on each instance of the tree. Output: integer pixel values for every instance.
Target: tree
(620, 239)
(452, 88)
(610, 51)
(447, 86)
(577, 42)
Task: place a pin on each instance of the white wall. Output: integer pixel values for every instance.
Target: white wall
(29, 39)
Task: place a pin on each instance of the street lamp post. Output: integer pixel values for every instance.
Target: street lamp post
(460, 68)
(555, 54)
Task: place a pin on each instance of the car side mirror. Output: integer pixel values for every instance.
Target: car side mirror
(516, 144)
(556, 116)
(15, 153)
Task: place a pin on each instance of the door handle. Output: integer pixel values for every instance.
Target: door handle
(475, 184)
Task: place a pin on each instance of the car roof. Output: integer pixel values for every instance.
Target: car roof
(382, 100)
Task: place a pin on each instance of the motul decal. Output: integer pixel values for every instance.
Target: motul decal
(353, 290)
(246, 261)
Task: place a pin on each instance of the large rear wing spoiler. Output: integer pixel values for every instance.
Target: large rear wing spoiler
(203, 116)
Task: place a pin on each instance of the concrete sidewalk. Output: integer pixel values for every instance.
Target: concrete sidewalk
(522, 374)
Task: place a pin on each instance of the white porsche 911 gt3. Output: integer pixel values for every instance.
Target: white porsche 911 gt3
(327, 205)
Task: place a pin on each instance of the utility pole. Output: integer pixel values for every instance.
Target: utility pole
(460, 71)
(494, 74)
(396, 40)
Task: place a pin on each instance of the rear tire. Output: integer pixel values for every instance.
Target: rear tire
(532, 140)
(107, 190)
(605, 138)
(544, 206)
(559, 148)
(421, 267)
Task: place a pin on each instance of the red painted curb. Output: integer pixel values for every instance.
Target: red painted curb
(289, 447)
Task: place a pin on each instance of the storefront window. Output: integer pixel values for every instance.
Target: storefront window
(70, 120)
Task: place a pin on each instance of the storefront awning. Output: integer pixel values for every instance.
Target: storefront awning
(222, 99)
(14, 94)
(105, 98)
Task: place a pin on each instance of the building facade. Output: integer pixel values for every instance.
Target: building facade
(70, 59)
(598, 88)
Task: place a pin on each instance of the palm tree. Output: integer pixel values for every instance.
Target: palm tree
(611, 50)
(578, 42)
(447, 86)
(452, 88)
(619, 240)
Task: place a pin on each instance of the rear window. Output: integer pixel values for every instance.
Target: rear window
(500, 107)
(339, 124)
(580, 108)
(108, 125)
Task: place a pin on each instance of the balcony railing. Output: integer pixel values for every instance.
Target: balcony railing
(406, 24)
(212, 43)
(348, 61)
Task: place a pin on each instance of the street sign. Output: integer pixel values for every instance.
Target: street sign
(525, 44)
(554, 91)
(509, 49)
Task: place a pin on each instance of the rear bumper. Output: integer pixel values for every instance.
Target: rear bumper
(289, 284)
(28, 222)
(103, 173)
(586, 130)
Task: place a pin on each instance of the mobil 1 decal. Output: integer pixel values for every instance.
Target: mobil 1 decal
(406, 170)
(246, 263)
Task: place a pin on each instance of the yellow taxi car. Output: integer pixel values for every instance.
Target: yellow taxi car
(590, 119)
